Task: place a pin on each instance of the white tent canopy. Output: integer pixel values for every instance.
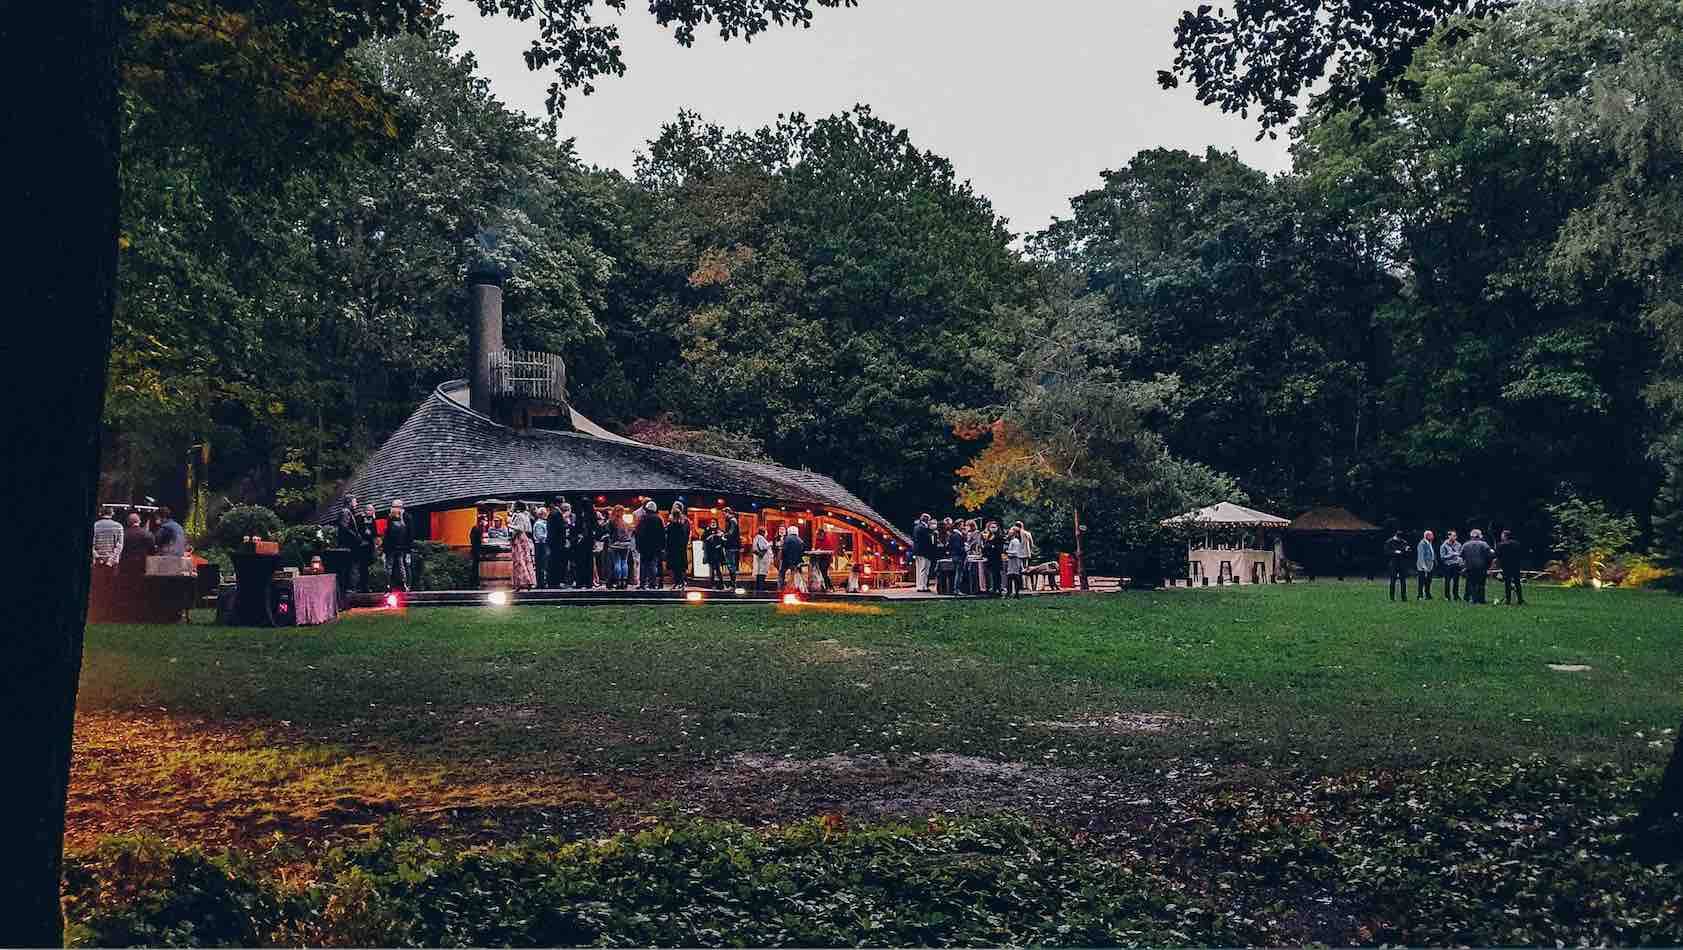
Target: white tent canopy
(1227, 513)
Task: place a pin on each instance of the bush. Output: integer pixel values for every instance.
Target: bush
(438, 567)
(242, 520)
(301, 542)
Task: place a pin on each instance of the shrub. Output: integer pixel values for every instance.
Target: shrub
(301, 542)
(241, 520)
(438, 567)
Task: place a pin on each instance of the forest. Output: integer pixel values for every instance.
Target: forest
(1463, 310)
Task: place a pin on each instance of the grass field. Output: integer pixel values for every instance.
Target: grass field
(1106, 715)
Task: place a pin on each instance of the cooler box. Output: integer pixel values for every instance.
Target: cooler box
(159, 565)
(1066, 571)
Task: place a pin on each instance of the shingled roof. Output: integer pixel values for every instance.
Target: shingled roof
(1330, 518)
(446, 454)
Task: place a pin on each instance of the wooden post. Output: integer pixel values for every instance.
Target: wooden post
(1080, 564)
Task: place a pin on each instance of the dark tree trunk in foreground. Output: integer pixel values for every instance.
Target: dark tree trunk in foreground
(60, 286)
(1656, 828)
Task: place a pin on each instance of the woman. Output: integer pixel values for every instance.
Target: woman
(972, 557)
(677, 545)
(993, 556)
(523, 572)
(1016, 556)
(762, 558)
(713, 551)
(619, 548)
(599, 547)
(1450, 563)
(540, 546)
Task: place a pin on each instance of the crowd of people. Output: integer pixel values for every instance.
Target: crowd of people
(556, 546)
(357, 530)
(966, 556)
(1454, 560)
(121, 548)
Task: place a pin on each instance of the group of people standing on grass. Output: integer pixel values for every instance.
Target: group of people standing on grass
(123, 547)
(966, 557)
(1452, 560)
(556, 547)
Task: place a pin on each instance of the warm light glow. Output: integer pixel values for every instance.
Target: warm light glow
(740, 592)
(693, 597)
(865, 587)
(791, 600)
(497, 598)
(626, 517)
(392, 600)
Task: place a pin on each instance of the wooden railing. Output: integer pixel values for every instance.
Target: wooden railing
(527, 376)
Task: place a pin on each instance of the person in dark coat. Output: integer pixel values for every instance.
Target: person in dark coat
(732, 540)
(476, 545)
(562, 524)
(1510, 556)
(924, 552)
(650, 535)
(993, 558)
(1398, 555)
(677, 546)
(398, 543)
(713, 550)
(957, 554)
(137, 547)
(1475, 558)
(793, 549)
(588, 529)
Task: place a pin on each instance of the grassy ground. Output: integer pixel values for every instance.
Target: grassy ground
(712, 706)
(1259, 759)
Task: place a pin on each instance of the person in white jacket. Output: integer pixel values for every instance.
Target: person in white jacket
(1016, 559)
(762, 558)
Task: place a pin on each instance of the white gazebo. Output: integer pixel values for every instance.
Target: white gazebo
(1231, 544)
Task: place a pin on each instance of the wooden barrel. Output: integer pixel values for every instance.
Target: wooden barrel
(496, 571)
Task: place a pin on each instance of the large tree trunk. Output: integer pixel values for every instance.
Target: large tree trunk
(60, 285)
(1655, 829)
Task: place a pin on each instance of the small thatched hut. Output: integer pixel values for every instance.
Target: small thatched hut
(1329, 541)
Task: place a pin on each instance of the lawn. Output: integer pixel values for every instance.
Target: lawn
(1127, 720)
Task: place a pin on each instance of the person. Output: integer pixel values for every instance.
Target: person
(1425, 566)
(397, 544)
(1475, 557)
(732, 539)
(620, 542)
(600, 550)
(476, 544)
(587, 534)
(793, 550)
(172, 540)
(713, 552)
(367, 529)
(107, 544)
(762, 558)
(540, 545)
(972, 557)
(1396, 554)
(923, 549)
(1510, 555)
(677, 542)
(1016, 559)
(523, 569)
(993, 557)
(649, 534)
(1449, 564)
(957, 557)
(559, 532)
(137, 547)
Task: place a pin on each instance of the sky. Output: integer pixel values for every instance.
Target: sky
(1029, 100)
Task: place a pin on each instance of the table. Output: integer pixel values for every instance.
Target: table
(315, 598)
(254, 575)
(138, 598)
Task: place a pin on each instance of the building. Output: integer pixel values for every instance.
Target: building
(1331, 542)
(508, 432)
(1231, 544)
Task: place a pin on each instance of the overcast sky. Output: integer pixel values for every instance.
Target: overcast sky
(1030, 101)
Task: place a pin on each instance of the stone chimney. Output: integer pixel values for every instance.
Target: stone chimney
(485, 330)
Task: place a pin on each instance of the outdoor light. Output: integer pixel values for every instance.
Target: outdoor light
(626, 517)
(865, 588)
(791, 600)
(497, 598)
(392, 599)
(740, 592)
(693, 597)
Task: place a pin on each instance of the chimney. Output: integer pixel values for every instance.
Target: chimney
(485, 329)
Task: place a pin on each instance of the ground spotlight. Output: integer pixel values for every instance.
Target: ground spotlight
(740, 592)
(791, 600)
(693, 597)
(392, 600)
(497, 598)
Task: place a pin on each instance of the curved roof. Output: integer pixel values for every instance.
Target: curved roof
(1227, 513)
(445, 453)
(1330, 518)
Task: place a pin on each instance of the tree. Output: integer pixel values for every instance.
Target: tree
(69, 285)
(1589, 533)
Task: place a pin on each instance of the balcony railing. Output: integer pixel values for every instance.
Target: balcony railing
(527, 377)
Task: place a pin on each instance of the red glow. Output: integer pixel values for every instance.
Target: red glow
(791, 600)
(693, 597)
(392, 600)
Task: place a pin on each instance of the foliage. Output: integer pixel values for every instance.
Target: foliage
(242, 521)
(301, 542)
(1421, 858)
(439, 567)
(1589, 534)
(664, 432)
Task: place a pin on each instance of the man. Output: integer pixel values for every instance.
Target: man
(540, 547)
(137, 546)
(732, 531)
(923, 549)
(346, 535)
(957, 555)
(1510, 554)
(793, 550)
(1475, 559)
(650, 538)
(398, 542)
(107, 544)
(368, 532)
(172, 540)
(1396, 553)
(993, 557)
(560, 527)
(476, 545)
(592, 553)
(1425, 565)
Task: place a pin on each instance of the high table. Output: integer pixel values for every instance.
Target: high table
(315, 598)
(255, 576)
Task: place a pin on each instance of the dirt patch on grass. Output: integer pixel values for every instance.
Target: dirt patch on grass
(224, 784)
(830, 651)
(1119, 724)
